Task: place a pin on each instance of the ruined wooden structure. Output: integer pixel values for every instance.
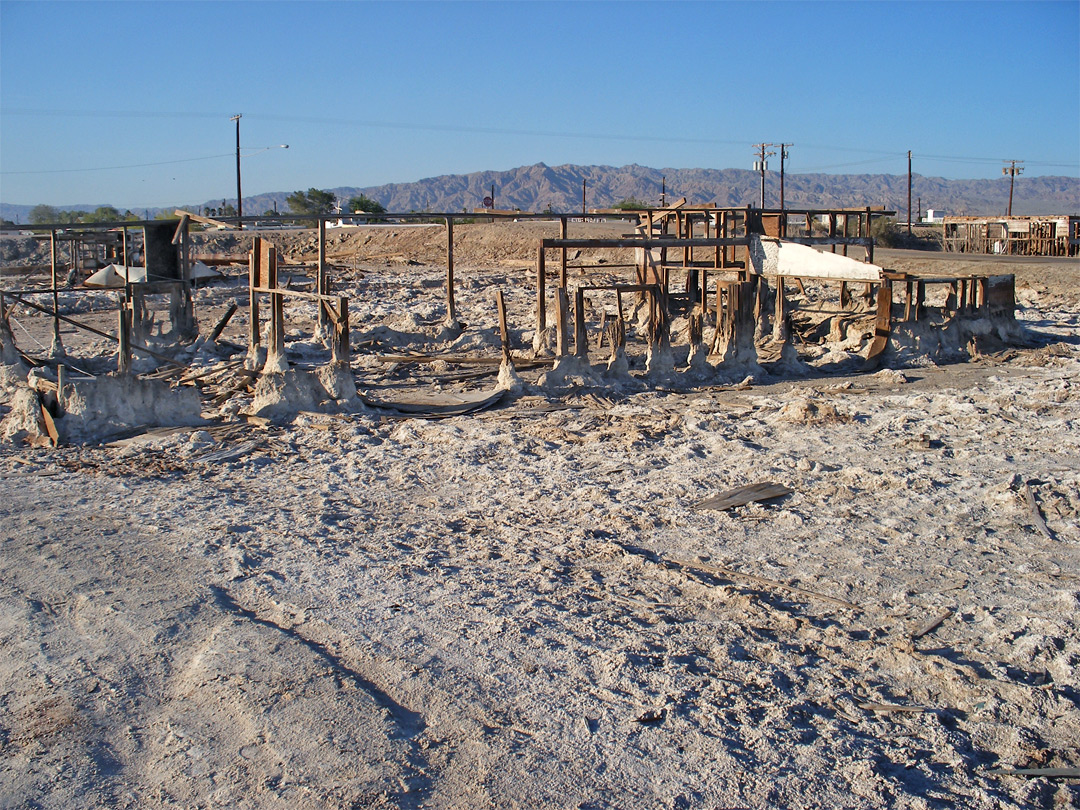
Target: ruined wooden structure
(1013, 236)
(263, 281)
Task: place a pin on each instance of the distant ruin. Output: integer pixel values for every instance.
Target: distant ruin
(735, 280)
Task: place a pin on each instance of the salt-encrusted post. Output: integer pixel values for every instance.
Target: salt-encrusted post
(339, 342)
(562, 307)
(253, 297)
(541, 292)
(320, 279)
(57, 346)
(123, 355)
(451, 312)
(504, 333)
(780, 325)
(562, 252)
(581, 345)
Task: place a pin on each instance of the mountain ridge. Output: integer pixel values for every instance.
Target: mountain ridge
(540, 187)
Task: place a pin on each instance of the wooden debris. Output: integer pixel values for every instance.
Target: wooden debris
(216, 333)
(439, 407)
(48, 423)
(931, 625)
(1036, 515)
(740, 496)
(1049, 773)
(228, 453)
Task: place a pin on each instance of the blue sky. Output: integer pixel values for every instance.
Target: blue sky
(367, 93)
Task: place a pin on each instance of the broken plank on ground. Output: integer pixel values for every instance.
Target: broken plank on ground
(740, 496)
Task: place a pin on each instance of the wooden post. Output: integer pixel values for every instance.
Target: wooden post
(123, 355)
(254, 273)
(320, 278)
(780, 325)
(451, 311)
(562, 326)
(581, 346)
(339, 342)
(882, 323)
(504, 333)
(920, 296)
(541, 292)
(870, 242)
(55, 295)
(562, 260)
(620, 325)
(845, 296)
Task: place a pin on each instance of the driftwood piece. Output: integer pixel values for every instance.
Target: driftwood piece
(220, 326)
(1049, 773)
(931, 626)
(740, 496)
(1036, 515)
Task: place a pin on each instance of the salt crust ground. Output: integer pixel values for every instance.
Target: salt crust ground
(476, 612)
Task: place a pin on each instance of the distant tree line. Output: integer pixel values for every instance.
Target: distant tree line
(314, 202)
(48, 215)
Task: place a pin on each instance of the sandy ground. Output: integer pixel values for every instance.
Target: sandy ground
(523, 607)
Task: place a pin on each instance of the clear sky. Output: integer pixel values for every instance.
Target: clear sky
(128, 103)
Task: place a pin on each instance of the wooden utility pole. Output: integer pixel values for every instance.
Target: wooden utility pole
(1012, 170)
(783, 157)
(909, 192)
(760, 165)
(239, 198)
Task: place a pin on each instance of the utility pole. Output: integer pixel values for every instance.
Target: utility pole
(909, 192)
(239, 199)
(760, 165)
(583, 200)
(783, 157)
(663, 191)
(1011, 170)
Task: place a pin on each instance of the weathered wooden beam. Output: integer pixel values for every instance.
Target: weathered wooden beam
(541, 292)
(633, 242)
(581, 345)
(504, 333)
(562, 326)
(451, 310)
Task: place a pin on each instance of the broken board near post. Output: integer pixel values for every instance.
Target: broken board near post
(740, 496)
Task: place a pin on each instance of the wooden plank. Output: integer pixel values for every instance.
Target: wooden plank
(451, 309)
(49, 423)
(541, 292)
(648, 243)
(882, 325)
(562, 315)
(740, 496)
(581, 346)
(202, 220)
(220, 325)
(504, 333)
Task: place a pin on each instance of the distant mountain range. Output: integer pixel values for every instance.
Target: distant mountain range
(559, 188)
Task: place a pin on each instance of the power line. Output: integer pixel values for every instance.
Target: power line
(377, 124)
(111, 168)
